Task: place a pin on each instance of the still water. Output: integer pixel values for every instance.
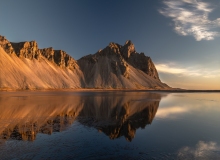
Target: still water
(109, 125)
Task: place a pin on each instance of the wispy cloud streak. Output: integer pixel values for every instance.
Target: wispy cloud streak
(192, 71)
(191, 17)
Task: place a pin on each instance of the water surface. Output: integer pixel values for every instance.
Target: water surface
(109, 125)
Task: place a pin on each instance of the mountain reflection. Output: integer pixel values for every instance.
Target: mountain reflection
(116, 114)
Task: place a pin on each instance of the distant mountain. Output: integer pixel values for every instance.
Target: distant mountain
(24, 66)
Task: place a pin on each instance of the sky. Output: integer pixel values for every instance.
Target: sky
(181, 36)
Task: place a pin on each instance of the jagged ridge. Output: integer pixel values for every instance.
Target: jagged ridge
(30, 50)
(24, 66)
(115, 66)
(118, 66)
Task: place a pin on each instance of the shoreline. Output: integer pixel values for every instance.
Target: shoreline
(112, 90)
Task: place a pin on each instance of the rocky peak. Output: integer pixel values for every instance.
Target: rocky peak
(26, 49)
(127, 49)
(111, 49)
(30, 50)
(59, 57)
(114, 45)
(128, 42)
(128, 55)
(48, 53)
(6, 45)
(62, 59)
(116, 59)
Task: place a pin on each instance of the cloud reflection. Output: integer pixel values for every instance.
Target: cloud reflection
(170, 112)
(202, 151)
(171, 108)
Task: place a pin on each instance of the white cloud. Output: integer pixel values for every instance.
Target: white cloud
(191, 17)
(193, 71)
(166, 68)
(203, 150)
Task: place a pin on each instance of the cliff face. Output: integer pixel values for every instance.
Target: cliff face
(30, 50)
(115, 66)
(6, 45)
(139, 61)
(24, 66)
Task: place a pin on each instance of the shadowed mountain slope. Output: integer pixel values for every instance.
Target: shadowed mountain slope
(119, 66)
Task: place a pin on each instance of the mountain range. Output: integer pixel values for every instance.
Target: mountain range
(23, 66)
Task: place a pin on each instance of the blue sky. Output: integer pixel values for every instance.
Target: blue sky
(182, 37)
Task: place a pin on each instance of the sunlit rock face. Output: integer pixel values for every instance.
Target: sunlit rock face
(25, 66)
(24, 115)
(26, 49)
(6, 45)
(31, 51)
(118, 66)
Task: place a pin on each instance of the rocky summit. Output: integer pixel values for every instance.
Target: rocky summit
(24, 66)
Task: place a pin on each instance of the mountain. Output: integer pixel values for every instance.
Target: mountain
(119, 66)
(24, 66)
